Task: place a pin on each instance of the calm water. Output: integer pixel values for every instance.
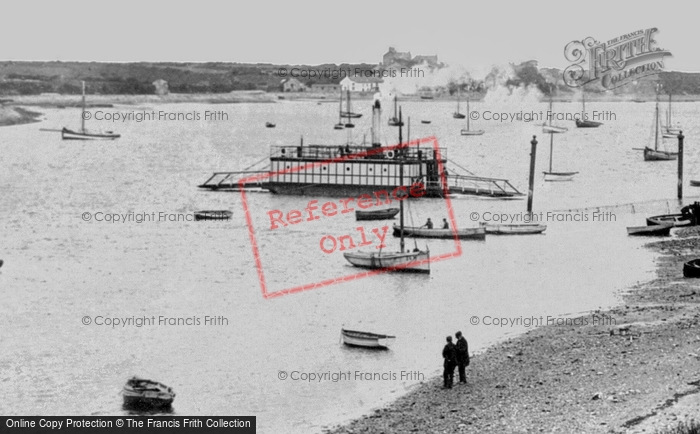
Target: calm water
(59, 268)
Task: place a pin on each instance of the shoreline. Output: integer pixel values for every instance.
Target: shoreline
(238, 97)
(638, 374)
(17, 116)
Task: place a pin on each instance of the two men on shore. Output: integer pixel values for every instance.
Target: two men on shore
(455, 356)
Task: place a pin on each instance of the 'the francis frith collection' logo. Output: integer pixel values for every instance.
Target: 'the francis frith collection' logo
(616, 62)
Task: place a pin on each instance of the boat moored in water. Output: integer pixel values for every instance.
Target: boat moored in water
(213, 215)
(380, 214)
(140, 393)
(356, 338)
(422, 232)
(514, 229)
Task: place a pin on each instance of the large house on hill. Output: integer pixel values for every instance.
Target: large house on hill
(292, 85)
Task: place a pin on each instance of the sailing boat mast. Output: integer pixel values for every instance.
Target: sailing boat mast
(551, 150)
(82, 115)
(583, 101)
(459, 94)
(468, 114)
(401, 179)
(656, 127)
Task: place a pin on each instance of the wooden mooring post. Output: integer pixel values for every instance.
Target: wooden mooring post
(680, 165)
(531, 188)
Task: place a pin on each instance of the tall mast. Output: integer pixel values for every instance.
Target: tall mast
(349, 112)
(340, 109)
(459, 94)
(583, 100)
(669, 111)
(82, 115)
(549, 117)
(551, 149)
(656, 126)
(468, 114)
(401, 179)
(395, 102)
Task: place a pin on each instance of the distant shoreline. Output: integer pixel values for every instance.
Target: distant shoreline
(237, 97)
(17, 116)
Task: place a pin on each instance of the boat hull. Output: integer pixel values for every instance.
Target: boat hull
(472, 132)
(465, 233)
(523, 229)
(366, 340)
(67, 134)
(655, 230)
(383, 214)
(654, 155)
(551, 129)
(146, 394)
(691, 268)
(694, 183)
(587, 124)
(212, 215)
(675, 220)
(559, 176)
(391, 261)
(458, 116)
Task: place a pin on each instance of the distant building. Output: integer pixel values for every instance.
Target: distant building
(292, 85)
(431, 60)
(161, 87)
(361, 84)
(325, 88)
(392, 56)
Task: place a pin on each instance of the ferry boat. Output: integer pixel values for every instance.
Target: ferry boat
(351, 170)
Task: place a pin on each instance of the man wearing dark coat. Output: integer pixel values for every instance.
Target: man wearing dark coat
(449, 353)
(462, 349)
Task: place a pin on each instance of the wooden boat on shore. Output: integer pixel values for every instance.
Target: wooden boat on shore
(213, 215)
(355, 338)
(694, 183)
(147, 394)
(514, 229)
(425, 122)
(675, 220)
(464, 233)
(84, 134)
(380, 214)
(270, 125)
(691, 268)
(654, 230)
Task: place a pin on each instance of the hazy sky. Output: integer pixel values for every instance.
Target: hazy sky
(474, 34)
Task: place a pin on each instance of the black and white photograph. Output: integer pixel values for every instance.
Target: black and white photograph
(306, 217)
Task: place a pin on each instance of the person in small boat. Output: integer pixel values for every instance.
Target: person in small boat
(449, 353)
(462, 349)
(347, 149)
(428, 224)
(445, 225)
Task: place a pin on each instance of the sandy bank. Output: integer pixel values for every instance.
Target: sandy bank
(594, 378)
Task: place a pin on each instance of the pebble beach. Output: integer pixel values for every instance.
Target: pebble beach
(631, 369)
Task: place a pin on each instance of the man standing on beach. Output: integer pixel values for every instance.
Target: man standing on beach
(462, 356)
(449, 353)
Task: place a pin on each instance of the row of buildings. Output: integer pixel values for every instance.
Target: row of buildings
(392, 63)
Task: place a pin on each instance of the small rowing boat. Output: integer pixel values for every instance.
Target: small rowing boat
(692, 268)
(669, 219)
(514, 229)
(464, 233)
(355, 338)
(652, 231)
(380, 214)
(147, 394)
(270, 125)
(213, 215)
(694, 183)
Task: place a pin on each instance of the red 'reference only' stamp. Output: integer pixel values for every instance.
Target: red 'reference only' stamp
(323, 228)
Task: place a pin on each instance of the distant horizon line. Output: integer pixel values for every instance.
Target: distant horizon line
(277, 64)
